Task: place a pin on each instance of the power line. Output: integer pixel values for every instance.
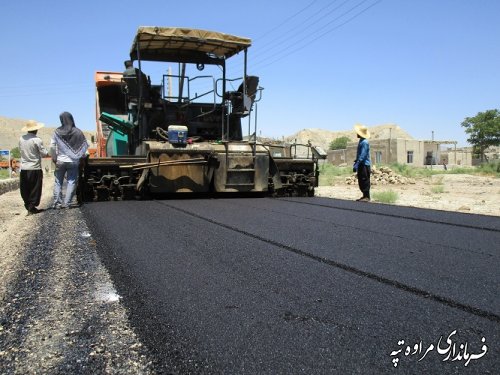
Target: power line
(286, 34)
(294, 31)
(350, 19)
(285, 21)
(293, 43)
(308, 42)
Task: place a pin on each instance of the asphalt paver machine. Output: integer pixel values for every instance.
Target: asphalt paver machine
(181, 132)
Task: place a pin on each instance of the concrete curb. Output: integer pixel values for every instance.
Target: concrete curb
(8, 185)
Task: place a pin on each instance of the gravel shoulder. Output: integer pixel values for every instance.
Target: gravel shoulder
(448, 192)
(59, 311)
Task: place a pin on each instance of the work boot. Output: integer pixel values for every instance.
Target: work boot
(33, 210)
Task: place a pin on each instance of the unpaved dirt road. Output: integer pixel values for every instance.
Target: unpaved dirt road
(59, 312)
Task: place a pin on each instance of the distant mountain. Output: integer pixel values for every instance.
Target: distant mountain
(10, 131)
(323, 138)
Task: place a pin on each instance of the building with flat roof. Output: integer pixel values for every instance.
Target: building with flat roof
(405, 151)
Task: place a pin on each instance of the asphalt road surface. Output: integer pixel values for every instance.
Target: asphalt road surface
(305, 285)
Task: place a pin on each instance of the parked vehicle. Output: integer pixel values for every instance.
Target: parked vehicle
(14, 164)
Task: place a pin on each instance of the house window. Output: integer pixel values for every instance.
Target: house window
(378, 157)
(409, 157)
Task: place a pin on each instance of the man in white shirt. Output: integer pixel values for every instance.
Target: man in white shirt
(31, 176)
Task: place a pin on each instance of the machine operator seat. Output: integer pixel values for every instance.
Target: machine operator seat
(241, 103)
(135, 89)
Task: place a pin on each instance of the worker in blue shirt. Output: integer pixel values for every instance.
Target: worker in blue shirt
(362, 164)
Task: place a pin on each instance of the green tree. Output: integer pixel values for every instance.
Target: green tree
(339, 143)
(483, 130)
(15, 153)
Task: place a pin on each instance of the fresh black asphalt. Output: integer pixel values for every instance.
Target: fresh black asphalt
(304, 285)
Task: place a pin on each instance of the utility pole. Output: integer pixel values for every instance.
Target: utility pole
(390, 140)
(432, 145)
(169, 82)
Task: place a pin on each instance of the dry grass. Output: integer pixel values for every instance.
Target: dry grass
(388, 196)
(438, 189)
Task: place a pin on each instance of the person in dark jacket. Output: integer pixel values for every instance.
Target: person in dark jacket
(31, 177)
(67, 147)
(362, 164)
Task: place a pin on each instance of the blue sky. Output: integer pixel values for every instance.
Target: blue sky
(424, 65)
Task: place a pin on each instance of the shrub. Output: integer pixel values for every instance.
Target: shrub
(4, 173)
(439, 189)
(403, 170)
(15, 153)
(385, 196)
(438, 181)
(406, 170)
(462, 170)
(339, 143)
(492, 168)
(328, 172)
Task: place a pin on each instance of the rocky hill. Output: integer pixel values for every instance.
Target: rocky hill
(323, 138)
(10, 131)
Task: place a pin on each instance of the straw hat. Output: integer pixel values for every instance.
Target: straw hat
(362, 131)
(32, 125)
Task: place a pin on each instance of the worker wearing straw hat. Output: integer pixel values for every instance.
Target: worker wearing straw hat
(362, 164)
(31, 177)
